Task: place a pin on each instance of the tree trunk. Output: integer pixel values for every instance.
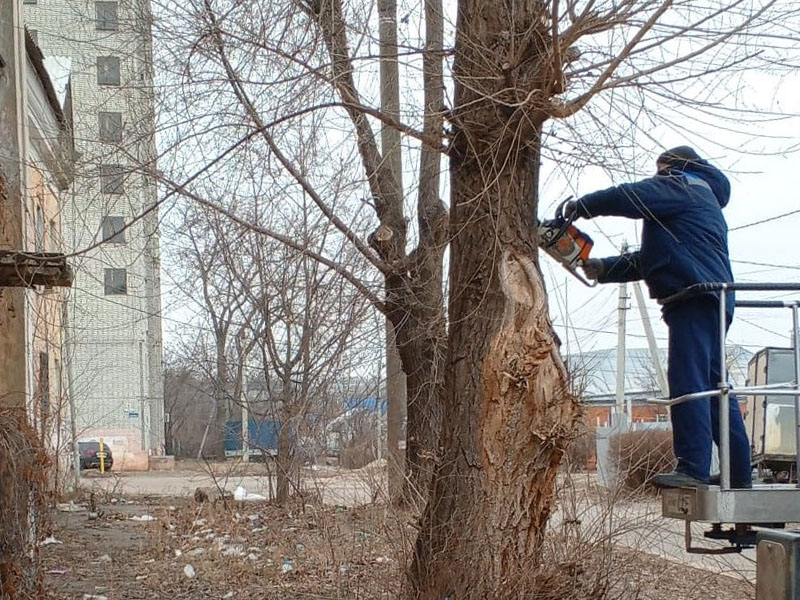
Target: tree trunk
(283, 462)
(414, 283)
(425, 335)
(221, 399)
(508, 413)
(421, 340)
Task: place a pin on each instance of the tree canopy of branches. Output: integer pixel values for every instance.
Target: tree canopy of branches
(489, 412)
(271, 317)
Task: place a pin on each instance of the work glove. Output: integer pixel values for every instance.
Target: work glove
(593, 268)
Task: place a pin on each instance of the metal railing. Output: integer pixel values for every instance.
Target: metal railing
(724, 391)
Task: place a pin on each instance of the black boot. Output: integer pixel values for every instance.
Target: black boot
(676, 479)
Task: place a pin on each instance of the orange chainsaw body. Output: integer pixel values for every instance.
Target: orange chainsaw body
(566, 243)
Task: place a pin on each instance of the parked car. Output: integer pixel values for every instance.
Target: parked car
(90, 455)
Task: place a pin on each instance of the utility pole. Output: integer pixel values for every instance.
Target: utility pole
(390, 148)
(141, 398)
(661, 377)
(241, 387)
(378, 407)
(245, 430)
(13, 116)
(571, 380)
(621, 406)
(73, 415)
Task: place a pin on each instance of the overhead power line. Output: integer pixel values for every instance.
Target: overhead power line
(761, 264)
(767, 220)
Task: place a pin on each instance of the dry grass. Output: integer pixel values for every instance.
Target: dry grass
(581, 451)
(332, 553)
(597, 548)
(23, 513)
(335, 554)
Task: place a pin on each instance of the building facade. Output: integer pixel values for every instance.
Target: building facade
(36, 173)
(113, 343)
(48, 178)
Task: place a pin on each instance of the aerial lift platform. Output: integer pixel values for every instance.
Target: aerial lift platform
(760, 517)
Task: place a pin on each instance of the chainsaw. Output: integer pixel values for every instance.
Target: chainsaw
(565, 242)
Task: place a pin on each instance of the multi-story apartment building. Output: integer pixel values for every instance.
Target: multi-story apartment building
(113, 347)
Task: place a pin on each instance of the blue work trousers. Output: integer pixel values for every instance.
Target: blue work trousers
(694, 366)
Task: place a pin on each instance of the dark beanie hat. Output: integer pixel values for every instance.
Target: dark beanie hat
(678, 156)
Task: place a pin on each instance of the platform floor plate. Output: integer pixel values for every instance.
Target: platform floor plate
(774, 503)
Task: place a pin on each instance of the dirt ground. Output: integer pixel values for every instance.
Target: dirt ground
(210, 552)
(309, 551)
(634, 523)
(334, 486)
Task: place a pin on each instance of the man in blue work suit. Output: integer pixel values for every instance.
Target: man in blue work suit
(684, 241)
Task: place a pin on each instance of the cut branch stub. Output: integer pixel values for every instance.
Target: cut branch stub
(383, 234)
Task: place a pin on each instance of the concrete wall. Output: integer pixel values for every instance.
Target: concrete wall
(13, 365)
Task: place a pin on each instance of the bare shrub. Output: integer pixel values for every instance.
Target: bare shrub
(23, 468)
(581, 453)
(639, 455)
(357, 455)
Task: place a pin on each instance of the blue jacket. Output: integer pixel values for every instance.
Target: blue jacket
(684, 236)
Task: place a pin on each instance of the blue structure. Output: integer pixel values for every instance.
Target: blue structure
(369, 404)
(262, 434)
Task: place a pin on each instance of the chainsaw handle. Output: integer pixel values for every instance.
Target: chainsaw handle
(560, 212)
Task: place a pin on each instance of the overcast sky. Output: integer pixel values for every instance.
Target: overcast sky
(763, 185)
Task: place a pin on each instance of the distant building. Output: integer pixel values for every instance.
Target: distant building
(595, 379)
(114, 348)
(331, 422)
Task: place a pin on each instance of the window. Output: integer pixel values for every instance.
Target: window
(106, 15)
(116, 282)
(107, 70)
(34, 35)
(110, 125)
(29, 1)
(39, 229)
(111, 179)
(113, 230)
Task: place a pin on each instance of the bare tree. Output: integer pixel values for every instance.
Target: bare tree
(529, 78)
(298, 318)
(211, 277)
(308, 318)
(188, 400)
